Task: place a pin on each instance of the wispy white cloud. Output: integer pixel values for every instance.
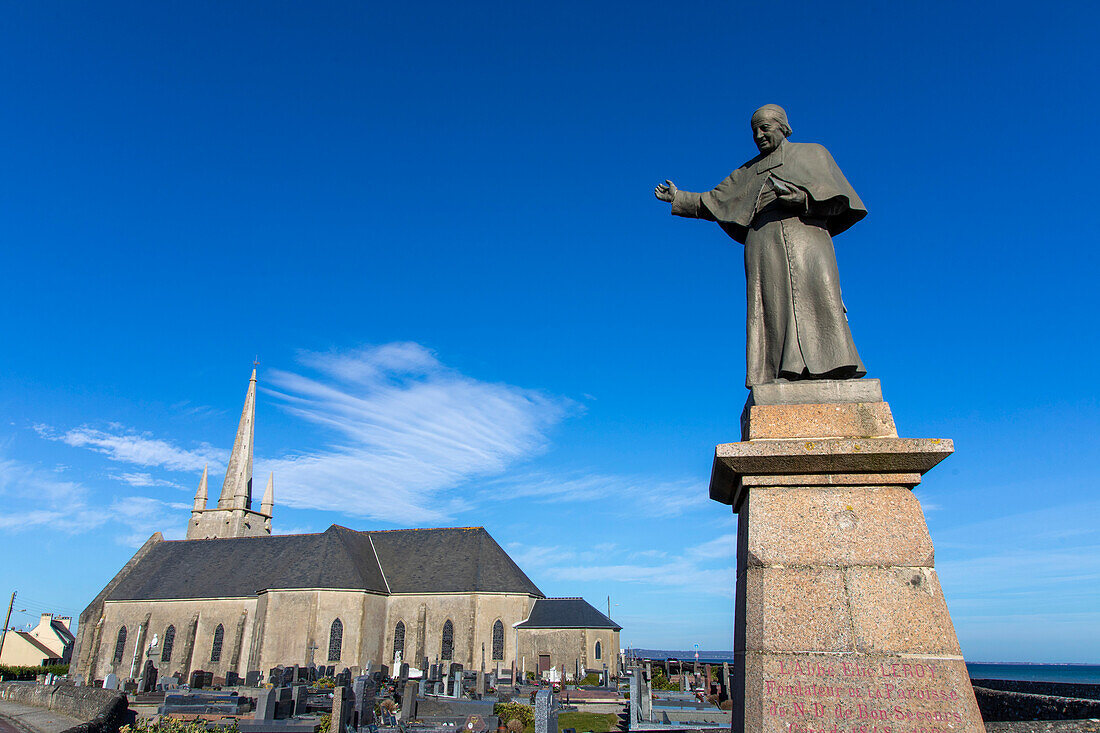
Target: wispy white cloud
(34, 497)
(140, 449)
(141, 516)
(706, 568)
(680, 574)
(406, 429)
(143, 480)
(633, 494)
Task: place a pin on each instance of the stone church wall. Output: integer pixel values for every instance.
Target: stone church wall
(296, 620)
(571, 647)
(195, 623)
(472, 616)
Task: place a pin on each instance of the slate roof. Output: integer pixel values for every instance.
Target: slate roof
(452, 560)
(566, 613)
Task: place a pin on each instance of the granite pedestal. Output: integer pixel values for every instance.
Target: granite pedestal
(840, 621)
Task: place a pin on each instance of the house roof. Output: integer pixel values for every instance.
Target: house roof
(566, 613)
(63, 633)
(451, 560)
(27, 637)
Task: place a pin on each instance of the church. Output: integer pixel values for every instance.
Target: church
(233, 597)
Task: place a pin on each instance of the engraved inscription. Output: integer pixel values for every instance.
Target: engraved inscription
(834, 696)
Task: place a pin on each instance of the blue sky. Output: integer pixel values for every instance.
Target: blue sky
(434, 223)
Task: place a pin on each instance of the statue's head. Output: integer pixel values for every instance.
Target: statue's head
(769, 127)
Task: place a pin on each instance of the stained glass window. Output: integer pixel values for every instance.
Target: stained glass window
(169, 640)
(448, 641)
(498, 641)
(335, 640)
(399, 640)
(216, 649)
(599, 651)
(120, 644)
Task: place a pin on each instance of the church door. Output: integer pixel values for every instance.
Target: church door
(544, 664)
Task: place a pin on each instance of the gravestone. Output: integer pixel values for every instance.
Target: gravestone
(339, 719)
(836, 587)
(635, 698)
(480, 683)
(727, 690)
(343, 678)
(232, 679)
(300, 697)
(198, 678)
(546, 714)
(110, 682)
(168, 683)
(403, 675)
(252, 678)
(384, 670)
(364, 701)
(266, 703)
(645, 698)
(148, 676)
(408, 702)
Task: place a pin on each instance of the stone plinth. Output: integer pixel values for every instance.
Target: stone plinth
(841, 625)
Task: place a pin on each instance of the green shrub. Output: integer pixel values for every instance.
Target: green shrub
(326, 722)
(590, 679)
(8, 672)
(660, 682)
(325, 682)
(514, 710)
(172, 725)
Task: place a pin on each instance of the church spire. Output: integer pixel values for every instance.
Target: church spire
(268, 504)
(237, 489)
(200, 495)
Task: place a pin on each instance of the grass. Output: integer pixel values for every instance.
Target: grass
(583, 722)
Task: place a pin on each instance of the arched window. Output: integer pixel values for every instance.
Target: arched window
(216, 649)
(120, 644)
(599, 651)
(399, 640)
(498, 641)
(169, 640)
(335, 640)
(447, 652)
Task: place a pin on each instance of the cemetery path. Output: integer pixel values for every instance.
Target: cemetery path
(16, 718)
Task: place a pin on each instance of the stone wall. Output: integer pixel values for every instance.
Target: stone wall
(996, 705)
(195, 622)
(472, 616)
(102, 710)
(571, 647)
(1082, 690)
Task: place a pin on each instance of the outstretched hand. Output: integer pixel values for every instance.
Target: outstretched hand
(665, 191)
(790, 195)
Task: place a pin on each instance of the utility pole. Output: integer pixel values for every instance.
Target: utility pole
(7, 618)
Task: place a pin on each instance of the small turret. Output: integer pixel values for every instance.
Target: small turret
(200, 495)
(268, 504)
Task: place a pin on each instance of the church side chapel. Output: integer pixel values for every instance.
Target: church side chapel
(233, 598)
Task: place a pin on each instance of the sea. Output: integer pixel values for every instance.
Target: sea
(1079, 673)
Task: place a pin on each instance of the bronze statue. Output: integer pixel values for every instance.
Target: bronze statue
(784, 205)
